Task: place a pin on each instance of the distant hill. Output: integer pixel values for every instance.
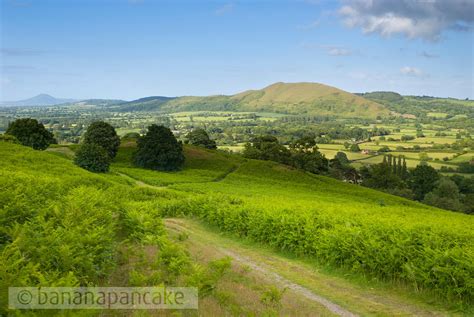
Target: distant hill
(290, 98)
(422, 106)
(98, 102)
(39, 100)
(382, 96)
(145, 104)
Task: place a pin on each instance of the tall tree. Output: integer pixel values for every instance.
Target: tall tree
(30, 132)
(200, 137)
(399, 166)
(423, 180)
(104, 135)
(158, 149)
(92, 157)
(267, 148)
(404, 169)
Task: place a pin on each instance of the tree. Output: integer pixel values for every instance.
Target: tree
(380, 176)
(267, 148)
(304, 144)
(30, 132)
(422, 180)
(355, 147)
(445, 195)
(92, 157)
(9, 138)
(342, 158)
(131, 136)
(158, 149)
(200, 137)
(104, 135)
(313, 162)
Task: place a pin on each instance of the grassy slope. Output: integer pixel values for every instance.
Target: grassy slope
(350, 291)
(362, 230)
(308, 98)
(295, 98)
(353, 221)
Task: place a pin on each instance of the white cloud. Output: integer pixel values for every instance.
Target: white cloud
(336, 50)
(309, 26)
(411, 71)
(226, 8)
(413, 18)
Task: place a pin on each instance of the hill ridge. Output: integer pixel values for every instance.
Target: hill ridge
(300, 98)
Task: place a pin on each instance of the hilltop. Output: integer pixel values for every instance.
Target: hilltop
(288, 98)
(39, 100)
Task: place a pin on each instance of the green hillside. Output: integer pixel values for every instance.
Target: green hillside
(289, 98)
(47, 203)
(423, 106)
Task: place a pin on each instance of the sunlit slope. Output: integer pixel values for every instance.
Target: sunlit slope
(201, 166)
(340, 225)
(308, 98)
(290, 98)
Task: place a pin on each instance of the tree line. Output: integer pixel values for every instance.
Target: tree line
(158, 149)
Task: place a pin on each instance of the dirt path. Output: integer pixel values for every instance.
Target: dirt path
(139, 183)
(223, 176)
(333, 294)
(278, 279)
(266, 272)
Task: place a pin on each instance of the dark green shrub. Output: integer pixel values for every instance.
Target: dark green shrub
(92, 157)
(103, 134)
(158, 149)
(30, 132)
(9, 138)
(200, 137)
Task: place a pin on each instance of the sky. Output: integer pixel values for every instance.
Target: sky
(128, 49)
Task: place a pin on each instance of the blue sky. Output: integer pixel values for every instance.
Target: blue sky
(129, 49)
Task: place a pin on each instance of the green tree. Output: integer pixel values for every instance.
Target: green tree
(267, 148)
(200, 137)
(158, 149)
(313, 162)
(9, 138)
(104, 135)
(423, 180)
(445, 195)
(30, 132)
(342, 158)
(92, 157)
(304, 144)
(354, 147)
(380, 176)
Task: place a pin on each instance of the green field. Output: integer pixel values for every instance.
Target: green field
(343, 226)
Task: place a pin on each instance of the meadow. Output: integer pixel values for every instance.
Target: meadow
(339, 224)
(366, 233)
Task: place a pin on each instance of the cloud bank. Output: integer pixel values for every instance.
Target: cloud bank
(425, 19)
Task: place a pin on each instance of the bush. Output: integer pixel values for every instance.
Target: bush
(407, 138)
(92, 157)
(30, 132)
(354, 148)
(104, 135)
(8, 138)
(200, 137)
(158, 149)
